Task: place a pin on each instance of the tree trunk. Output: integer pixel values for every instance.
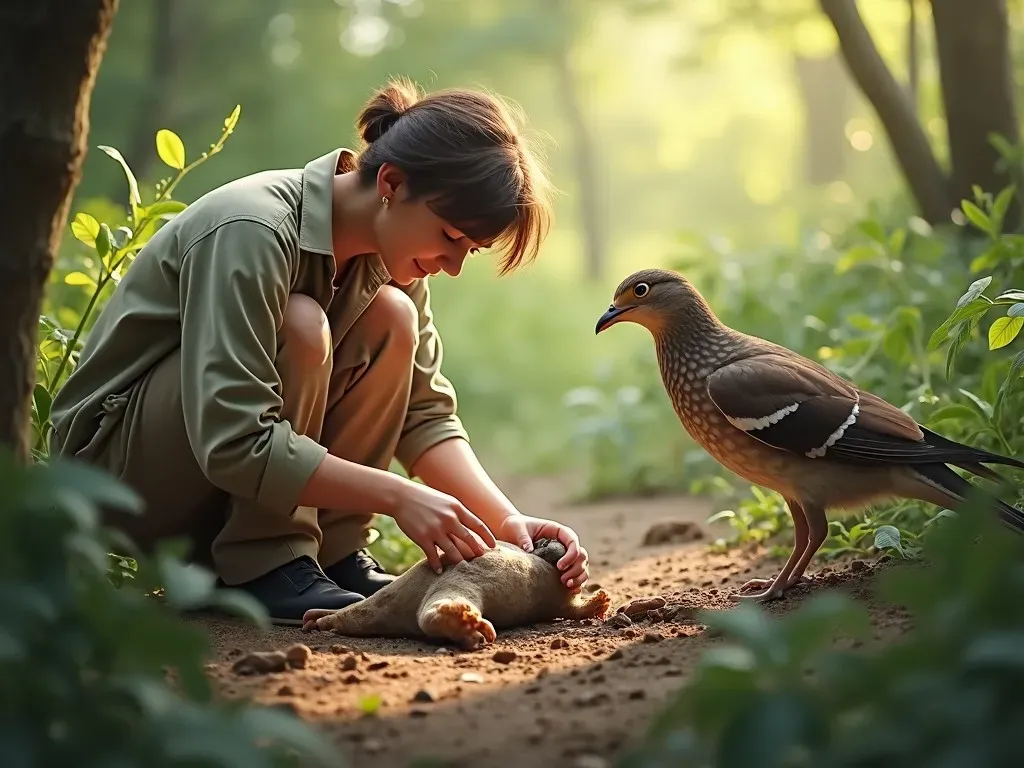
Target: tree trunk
(823, 90)
(976, 71)
(584, 154)
(164, 52)
(928, 184)
(50, 51)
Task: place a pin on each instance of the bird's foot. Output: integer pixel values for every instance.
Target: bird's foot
(771, 590)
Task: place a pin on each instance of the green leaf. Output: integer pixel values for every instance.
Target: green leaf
(974, 308)
(1001, 205)
(772, 727)
(858, 254)
(85, 228)
(78, 278)
(1017, 310)
(872, 229)
(953, 412)
(103, 240)
(188, 586)
(164, 209)
(974, 290)
(43, 402)
(897, 241)
(1003, 331)
(232, 119)
(170, 148)
(985, 408)
(370, 703)
(888, 537)
(749, 625)
(133, 185)
(997, 651)
(977, 217)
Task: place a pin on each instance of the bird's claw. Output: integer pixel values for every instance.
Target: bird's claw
(771, 590)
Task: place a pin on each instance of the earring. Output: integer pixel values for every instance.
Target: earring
(385, 200)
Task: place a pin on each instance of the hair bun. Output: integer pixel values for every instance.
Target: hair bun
(385, 107)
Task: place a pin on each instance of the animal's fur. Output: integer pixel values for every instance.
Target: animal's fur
(503, 588)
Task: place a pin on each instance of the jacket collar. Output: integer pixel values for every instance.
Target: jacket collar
(315, 234)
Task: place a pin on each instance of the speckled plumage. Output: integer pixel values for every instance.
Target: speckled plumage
(784, 422)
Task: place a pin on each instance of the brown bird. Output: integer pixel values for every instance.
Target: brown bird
(784, 422)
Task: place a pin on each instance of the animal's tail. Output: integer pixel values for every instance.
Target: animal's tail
(948, 482)
(967, 457)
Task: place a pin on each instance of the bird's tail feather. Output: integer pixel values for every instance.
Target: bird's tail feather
(979, 455)
(949, 482)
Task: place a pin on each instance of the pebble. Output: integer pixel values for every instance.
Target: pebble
(424, 696)
(559, 643)
(298, 655)
(504, 657)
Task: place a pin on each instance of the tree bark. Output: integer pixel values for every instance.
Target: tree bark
(584, 154)
(928, 183)
(50, 51)
(976, 71)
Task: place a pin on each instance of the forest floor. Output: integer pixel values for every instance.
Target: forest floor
(570, 693)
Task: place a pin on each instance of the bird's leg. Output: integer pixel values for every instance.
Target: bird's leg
(818, 525)
(775, 588)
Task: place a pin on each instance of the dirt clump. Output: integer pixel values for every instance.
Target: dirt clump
(672, 532)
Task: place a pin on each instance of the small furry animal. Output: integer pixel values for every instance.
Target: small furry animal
(505, 587)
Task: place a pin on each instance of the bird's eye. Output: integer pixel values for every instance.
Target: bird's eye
(641, 289)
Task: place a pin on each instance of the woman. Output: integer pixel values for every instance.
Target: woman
(272, 349)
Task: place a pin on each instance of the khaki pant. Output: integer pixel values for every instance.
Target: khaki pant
(352, 399)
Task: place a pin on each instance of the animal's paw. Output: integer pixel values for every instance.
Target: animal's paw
(318, 618)
(459, 621)
(596, 606)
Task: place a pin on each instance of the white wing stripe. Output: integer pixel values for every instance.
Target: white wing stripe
(750, 425)
(817, 453)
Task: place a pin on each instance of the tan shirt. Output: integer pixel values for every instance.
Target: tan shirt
(215, 280)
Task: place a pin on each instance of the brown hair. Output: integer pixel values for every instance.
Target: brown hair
(462, 150)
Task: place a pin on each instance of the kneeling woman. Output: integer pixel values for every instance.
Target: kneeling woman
(272, 349)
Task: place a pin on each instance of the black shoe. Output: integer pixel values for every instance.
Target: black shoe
(290, 590)
(360, 573)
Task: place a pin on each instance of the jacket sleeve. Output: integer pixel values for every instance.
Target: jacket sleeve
(234, 285)
(432, 416)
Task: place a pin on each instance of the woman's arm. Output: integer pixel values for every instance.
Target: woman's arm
(452, 467)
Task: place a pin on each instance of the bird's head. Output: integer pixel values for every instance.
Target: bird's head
(654, 298)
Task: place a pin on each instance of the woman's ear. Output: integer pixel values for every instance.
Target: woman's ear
(390, 179)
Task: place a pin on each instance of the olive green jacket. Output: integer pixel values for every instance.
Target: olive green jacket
(215, 280)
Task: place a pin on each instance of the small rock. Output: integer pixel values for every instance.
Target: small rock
(377, 665)
(424, 696)
(616, 654)
(559, 643)
(504, 657)
(285, 690)
(637, 694)
(641, 606)
(471, 677)
(678, 613)
(349, 663)
(591, 699)
(418, 712)
(619, 620)
(298, 655)
(351, 679)
(857, 566)
(261, 663)
(652, 637)
(338, 649)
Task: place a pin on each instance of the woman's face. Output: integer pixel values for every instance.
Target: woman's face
(412, 240)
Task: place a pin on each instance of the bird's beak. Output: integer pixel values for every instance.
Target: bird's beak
(610, 317)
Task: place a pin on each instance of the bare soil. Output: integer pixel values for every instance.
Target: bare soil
(567, 693)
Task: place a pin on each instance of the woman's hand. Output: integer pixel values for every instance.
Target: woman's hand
(523, 530)
(433, 519)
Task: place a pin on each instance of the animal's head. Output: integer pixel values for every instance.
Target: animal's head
(654, 298)
(550, 550)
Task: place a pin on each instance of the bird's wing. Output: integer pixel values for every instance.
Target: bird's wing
(796, 405)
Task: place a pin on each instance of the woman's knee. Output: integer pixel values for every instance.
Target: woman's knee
(393, 316)
(305, 333)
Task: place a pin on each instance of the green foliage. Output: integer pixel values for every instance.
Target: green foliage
(91, 675)
(780, 692)
(112, 248)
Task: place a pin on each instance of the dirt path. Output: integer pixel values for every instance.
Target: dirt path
(574, 694)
